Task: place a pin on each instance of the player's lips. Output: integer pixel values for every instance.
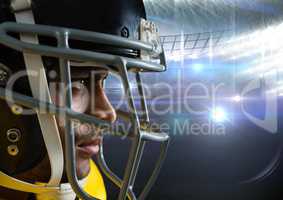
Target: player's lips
(88, 148)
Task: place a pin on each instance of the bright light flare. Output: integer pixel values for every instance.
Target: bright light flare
(258, 43)
(219, 115)
(197, 67)
(266, 64)
(237, 98)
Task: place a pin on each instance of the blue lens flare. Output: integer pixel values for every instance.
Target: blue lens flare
(219, 115)
(197, 67)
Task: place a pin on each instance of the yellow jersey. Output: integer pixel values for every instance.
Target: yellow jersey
(94, 184)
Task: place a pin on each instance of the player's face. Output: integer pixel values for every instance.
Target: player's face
(88, 97)
(87, 143)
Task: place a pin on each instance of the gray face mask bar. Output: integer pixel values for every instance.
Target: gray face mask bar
(117, 64)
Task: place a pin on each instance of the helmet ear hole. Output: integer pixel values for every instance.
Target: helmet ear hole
(16, 109)
(21, 141)
(13, 135)
(13, 150)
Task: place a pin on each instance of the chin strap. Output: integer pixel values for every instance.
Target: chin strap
(64, 192)
(93, 184)
(40, 90)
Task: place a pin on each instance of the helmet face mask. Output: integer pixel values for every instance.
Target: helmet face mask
(120, 65)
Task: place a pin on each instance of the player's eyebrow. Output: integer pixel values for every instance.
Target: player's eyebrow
(88, 73)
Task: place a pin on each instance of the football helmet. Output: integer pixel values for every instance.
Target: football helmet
(38, 34)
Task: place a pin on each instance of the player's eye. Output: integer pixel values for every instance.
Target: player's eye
(98, 78)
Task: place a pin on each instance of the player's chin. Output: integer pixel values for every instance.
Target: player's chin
(83, 159)
(82, 167)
